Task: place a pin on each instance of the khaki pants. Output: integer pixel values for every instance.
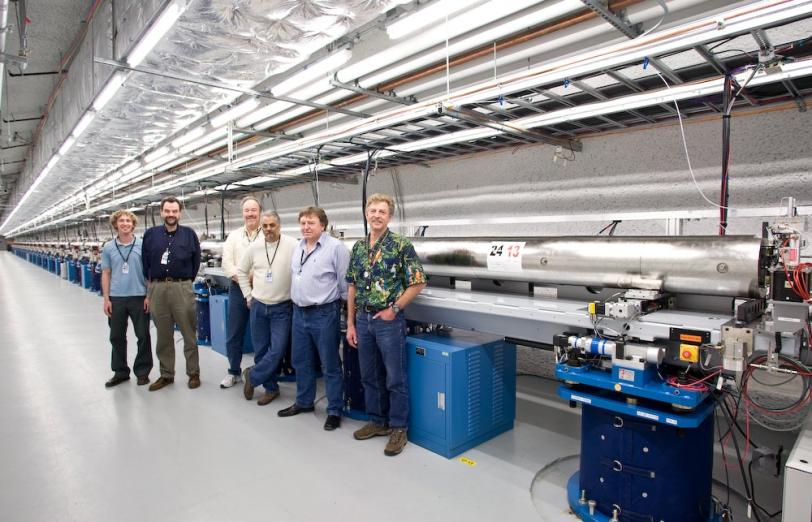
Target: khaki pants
(173, 302)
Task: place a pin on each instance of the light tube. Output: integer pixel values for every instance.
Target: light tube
(84, 121)
(157, 153)
(467, 21)
(155, 33)
(109, 90)
(312, 73)
(426, 16)
(69, 141)
(235, 112)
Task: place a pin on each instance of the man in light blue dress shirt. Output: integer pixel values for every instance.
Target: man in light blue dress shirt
(318, 272)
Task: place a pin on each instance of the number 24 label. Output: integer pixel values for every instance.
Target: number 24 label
(506, 249)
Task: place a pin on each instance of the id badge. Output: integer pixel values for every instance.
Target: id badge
(269, 277)
(165, 258)
(125, 268)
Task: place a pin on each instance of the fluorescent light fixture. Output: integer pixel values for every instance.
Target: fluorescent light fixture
(156, 32)
(312, 73)
(131, 167)
(84, 121)
(109, 90)
(205, 140)
(155, 164)
(467, 21)
(188, 136)
(265, 112)
(235, 112)
(543, 13)
(53, 161)
(426, 16)
(157, 153)
(69, 141)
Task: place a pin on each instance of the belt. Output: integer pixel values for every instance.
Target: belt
(373, 309)
(314, 307)
(171, 280)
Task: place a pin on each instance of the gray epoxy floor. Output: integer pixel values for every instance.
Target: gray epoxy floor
(71, 450)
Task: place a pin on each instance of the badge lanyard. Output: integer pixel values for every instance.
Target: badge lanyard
(165, 256)
(269, 274)
(125, 268)
(371, 254)
(248, 237)
(303, 259)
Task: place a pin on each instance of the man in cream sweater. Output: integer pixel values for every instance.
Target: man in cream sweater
(233, 249)
(268, 263)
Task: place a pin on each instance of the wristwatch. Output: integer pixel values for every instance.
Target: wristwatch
(395, 308)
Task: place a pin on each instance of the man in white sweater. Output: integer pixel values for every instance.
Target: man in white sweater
(233, 249)
(267, 263)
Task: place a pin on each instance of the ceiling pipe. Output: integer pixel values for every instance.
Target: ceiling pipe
(4, 29)
(485, 50)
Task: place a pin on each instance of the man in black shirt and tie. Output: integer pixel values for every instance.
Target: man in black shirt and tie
(171, 259)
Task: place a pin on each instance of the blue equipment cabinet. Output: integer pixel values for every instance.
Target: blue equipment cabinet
(462, 390)
(218, 323)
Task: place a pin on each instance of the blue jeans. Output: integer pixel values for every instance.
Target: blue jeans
(316, 329)
(238, 315)
(270, 334)
(382, 355)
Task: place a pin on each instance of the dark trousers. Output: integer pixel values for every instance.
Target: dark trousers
(270, 333)
(132, 307)
(316, 331)
(382, 356)
(238, 318)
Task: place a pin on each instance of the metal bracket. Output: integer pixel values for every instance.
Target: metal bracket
(6, 58)
(480, 119)
(267, 134)
(617, 20)
(390, 96)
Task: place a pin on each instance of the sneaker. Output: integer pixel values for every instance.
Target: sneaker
(267, 397)
(161, 382)
(396, 442)
(370, 430)
(194, 381)
(230, 381)
(247, 389)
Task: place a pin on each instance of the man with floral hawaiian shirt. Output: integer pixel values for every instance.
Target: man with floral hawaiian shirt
(384, 276)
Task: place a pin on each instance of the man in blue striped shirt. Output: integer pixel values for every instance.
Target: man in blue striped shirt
(318, 272)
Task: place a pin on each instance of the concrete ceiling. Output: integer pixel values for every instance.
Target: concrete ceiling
(52, 28)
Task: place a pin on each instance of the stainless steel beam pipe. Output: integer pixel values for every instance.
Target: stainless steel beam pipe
(708, 265)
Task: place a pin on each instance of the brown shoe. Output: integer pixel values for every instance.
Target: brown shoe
(143, 379)
(396, 442)
(369, 430)
(247, 389)
(161, 382)
(267, 397)
(194, 381)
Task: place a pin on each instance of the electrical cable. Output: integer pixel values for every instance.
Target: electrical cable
(685, 147)
(659, 22)
(747, 489)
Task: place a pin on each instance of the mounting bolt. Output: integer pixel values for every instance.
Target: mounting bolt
(592, 504)
(582, 500)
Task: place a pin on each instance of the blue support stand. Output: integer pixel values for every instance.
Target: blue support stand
(640, 456)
